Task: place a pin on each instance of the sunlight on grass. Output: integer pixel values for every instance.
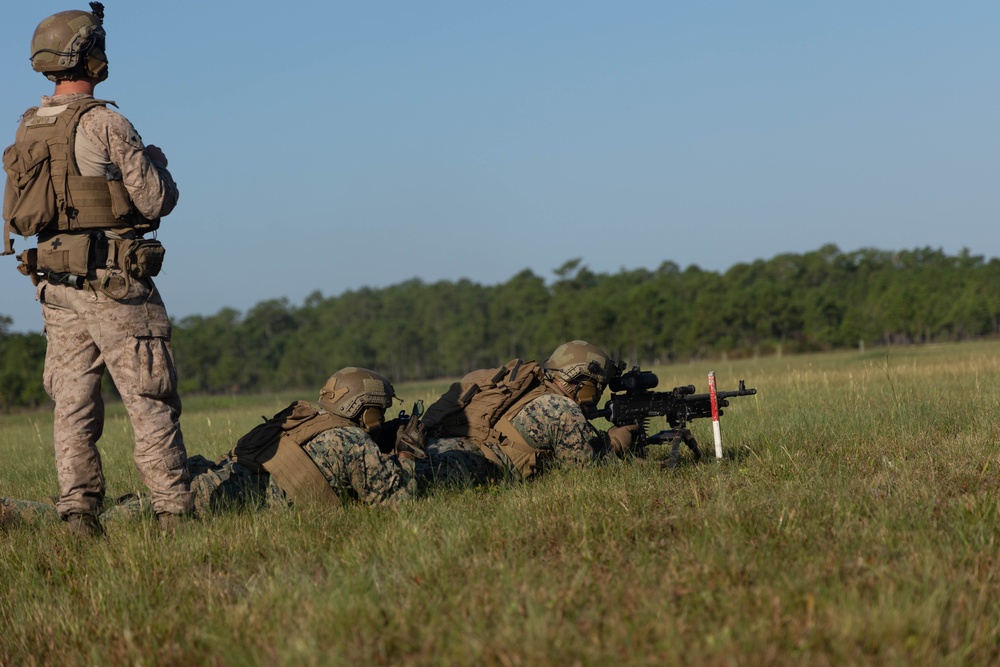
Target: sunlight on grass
(854, 519)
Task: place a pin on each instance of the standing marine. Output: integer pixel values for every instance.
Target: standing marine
(80, 179)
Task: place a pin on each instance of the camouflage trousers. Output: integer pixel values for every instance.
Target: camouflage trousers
(14, 512)
(456, 462)
(89, 332)
(215, 486)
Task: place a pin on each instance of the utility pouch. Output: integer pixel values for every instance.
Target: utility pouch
(65, 253)
(30, 199)
(121, 205)
(141, 258)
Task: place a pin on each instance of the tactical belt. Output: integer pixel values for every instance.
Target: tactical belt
(97, 259)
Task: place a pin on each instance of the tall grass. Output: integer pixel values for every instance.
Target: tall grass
(854, 519)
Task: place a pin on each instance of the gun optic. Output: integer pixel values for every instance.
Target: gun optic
(634, 380)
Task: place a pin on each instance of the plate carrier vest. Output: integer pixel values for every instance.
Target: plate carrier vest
(46, 145)
(276, 447)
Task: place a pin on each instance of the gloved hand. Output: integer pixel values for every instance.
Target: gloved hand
(386, 436)
(621, 438)
(411, 439)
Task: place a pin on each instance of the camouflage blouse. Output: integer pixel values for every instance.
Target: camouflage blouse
(356, 469)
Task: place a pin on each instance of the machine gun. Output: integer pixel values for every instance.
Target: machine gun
(633, 401)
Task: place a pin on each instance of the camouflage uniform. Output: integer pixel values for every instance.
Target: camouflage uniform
(356, 469)
(14, 512)
(347, 457)
(551, 422)
(89, 331)
(556, 423)
(457, 462)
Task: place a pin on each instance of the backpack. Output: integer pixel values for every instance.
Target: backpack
(480, 407)
(29, 203)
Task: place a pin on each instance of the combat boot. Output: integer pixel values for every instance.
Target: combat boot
(8, 516)
(169, 523)
(86, 525)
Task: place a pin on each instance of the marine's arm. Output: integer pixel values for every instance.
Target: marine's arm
(144, 170)
(353, 463)
(557, 423)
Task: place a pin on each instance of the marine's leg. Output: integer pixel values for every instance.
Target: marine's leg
(14, 512)
(224, 485)
(73, 372)
(456, 462)
(135, 341)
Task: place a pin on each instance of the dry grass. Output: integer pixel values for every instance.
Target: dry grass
(854, 520)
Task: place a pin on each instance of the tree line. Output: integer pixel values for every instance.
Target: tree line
(820, 300)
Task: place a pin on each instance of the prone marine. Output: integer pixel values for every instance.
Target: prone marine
(324, 455)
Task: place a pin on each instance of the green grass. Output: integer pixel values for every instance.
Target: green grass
(854, 520)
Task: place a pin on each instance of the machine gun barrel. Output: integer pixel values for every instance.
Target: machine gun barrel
(721, 395)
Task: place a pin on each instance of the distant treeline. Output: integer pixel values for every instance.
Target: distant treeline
(820, 300)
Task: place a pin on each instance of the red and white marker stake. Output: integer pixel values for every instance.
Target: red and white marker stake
(716, 427)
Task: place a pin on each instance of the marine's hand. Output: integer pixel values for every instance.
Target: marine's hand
(411, 439)
(621, 438)
(156, 155)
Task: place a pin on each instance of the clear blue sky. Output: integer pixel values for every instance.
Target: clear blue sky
(329, 145)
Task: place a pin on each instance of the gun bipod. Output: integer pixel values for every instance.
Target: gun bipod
(674, 437)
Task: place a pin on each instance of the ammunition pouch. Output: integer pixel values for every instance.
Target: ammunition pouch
(527, 460)
(121, 204)
(141, 258)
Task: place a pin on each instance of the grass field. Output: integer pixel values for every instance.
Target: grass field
(854, 520)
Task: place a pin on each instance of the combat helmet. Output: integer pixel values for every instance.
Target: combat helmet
(70, 44)
(583, 364)
(358, 394)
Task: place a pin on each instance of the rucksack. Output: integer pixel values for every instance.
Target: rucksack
(29, 203)
(480, 406)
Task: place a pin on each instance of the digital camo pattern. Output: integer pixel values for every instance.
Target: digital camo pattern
(557, 423)
(356, 469)
(550, 422)
(455, 462)
(216, 486)
(223, 484)
(104, 137)
(87, 333)
(14, 512)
